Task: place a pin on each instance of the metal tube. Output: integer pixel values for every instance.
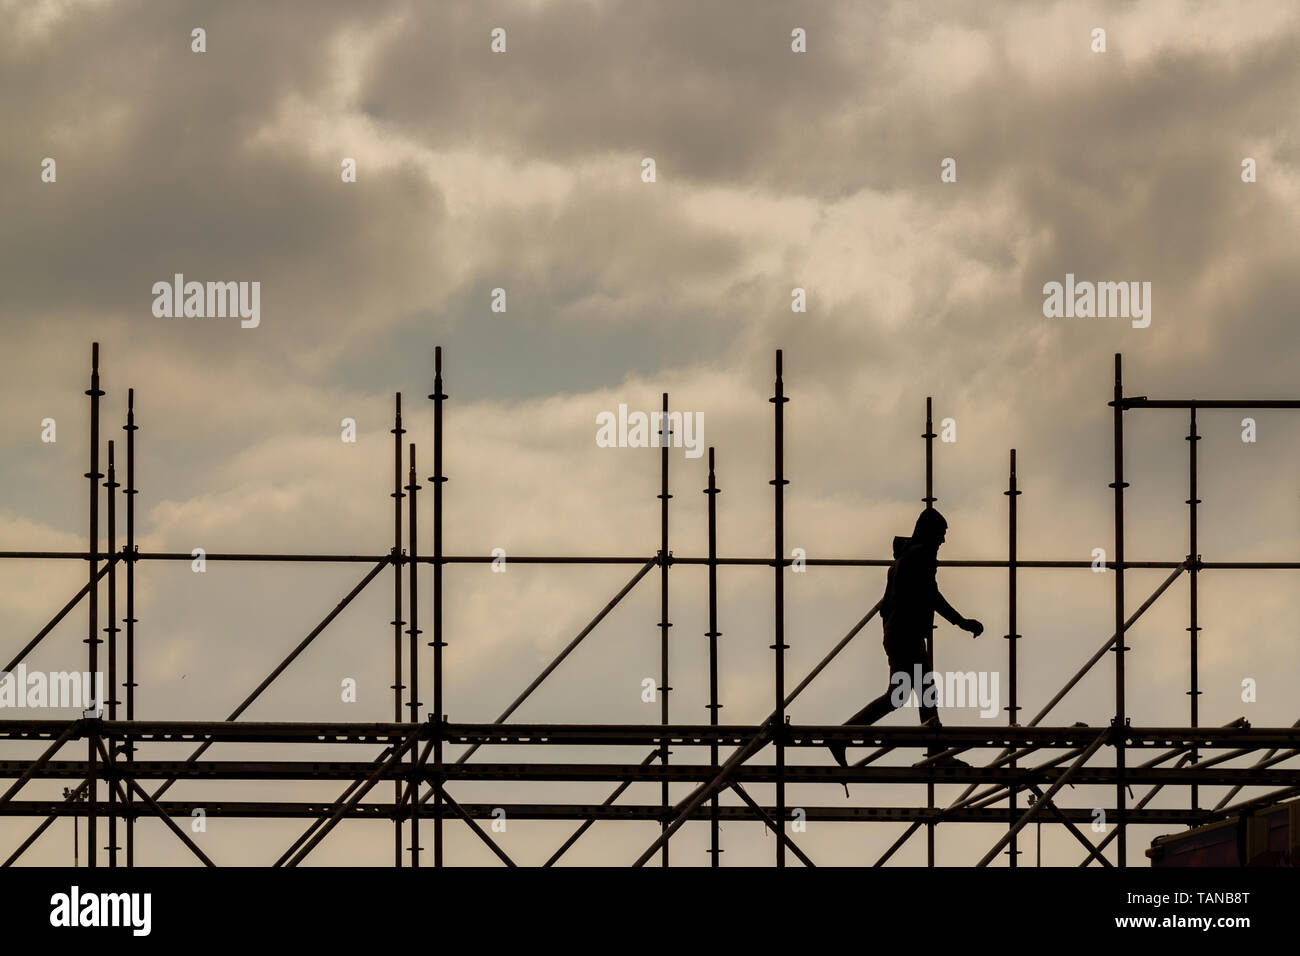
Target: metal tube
(642, 812)
(284, 664)
(994, 793)
(162, 815)
(755, 743)
(129, 749)
(439, 714)
(546, 672)
(1013, 709)
(110, 488)
(929, 500)
(586, 824)
(320, 821)
(1033, 811)
(1235, 790)
(1193, 629)
(665, 439)
(1094, 852)
(113, 784)
(1149, 739)
(779, 647)
(929, 437)
(715, 849)
(54, 621)
(413, 632)
(1144, 402)
(394, 757)
(916, 825)
(1120, 718)
(478, 830)
(1138, 806)
(92, 638)
(45, 825)
(1114, 639)
(1267, 773)
(776, 827)
(1098, 655)
(74, 727)
(397, 495)
(688, 806)
(702, 560)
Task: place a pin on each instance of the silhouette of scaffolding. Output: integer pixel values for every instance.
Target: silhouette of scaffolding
(413, 755)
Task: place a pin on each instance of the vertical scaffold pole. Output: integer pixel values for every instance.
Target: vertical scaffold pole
(1120, 719)
(130, 428)
(397, 431)
(1013, 708)
(779, 646)
(92, 639)
(665, 440)
(438, 480)
(1193, 566)
(929, 500)
(110, 488)
(714, 816)
(413, 632)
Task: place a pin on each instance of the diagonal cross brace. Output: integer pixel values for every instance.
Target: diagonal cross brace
(764, 733)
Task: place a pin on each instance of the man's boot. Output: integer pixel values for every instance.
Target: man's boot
(838, 751)
(936, 749)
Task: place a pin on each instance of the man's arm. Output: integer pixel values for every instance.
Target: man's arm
(950, 615)
(946, 610)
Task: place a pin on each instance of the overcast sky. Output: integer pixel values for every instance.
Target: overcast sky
(523, 171)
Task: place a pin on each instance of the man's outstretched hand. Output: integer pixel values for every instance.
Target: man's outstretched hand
(972, 625)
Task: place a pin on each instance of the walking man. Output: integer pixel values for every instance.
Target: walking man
(911, 599)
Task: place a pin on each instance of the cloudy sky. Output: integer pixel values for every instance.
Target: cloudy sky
(523, 171)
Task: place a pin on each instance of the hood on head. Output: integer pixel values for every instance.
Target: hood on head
(930, 527)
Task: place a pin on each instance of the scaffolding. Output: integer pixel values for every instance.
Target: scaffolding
(412, 753)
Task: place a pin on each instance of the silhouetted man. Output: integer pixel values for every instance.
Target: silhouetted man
(907, 610)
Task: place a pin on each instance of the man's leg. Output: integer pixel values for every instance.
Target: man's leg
(930, 712)
(912, 661)
(882, 705)
(928, 701)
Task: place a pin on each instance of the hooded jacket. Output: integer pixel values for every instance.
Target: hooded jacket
(912, 595)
